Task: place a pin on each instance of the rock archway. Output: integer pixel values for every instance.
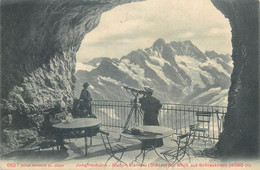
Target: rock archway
(38, 46)
(241, 126)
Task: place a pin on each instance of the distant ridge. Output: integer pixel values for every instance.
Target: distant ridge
(178, 71)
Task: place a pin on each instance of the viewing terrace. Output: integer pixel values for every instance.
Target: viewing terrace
(113, 115)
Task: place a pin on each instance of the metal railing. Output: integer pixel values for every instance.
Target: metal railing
(179, 117)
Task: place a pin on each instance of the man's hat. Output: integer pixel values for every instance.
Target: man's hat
(148, 89)
(86, 84)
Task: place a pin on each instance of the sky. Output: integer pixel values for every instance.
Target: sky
(138, 25)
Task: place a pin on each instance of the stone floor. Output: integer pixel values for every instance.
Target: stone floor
(75, 157)
(97, 156)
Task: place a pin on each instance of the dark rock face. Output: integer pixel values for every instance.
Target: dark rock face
(38, 44)
(240, 137)
(39, 41)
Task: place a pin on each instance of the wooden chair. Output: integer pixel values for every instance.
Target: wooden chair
(177, 154)
(47, 139)
(202, 126)
(112, 150)
(49, 136)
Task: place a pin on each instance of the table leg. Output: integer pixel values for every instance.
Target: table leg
(86, 143)
(59, 139)
(135, 160)
(144, 153)
(157, 152)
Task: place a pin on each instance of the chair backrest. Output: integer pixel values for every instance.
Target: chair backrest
(105, 139)
(183, 141)
(203, 118)
(46, 129)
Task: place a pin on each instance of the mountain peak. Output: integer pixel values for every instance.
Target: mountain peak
(189, 49)
(158, 43)
(187, 42)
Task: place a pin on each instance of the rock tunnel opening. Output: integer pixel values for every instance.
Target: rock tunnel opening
(38, 64)
(132, 39)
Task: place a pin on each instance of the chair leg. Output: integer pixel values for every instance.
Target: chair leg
(143, 157)
(119, 138)
(193, 151)
(209, 140)
(119, 159)
(166, 159)
(181, 163)
(189, 157)
(109, 159)
(193, 138)
(186, 153)
(204, 139)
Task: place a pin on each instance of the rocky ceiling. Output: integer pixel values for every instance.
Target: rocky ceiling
(39, 40)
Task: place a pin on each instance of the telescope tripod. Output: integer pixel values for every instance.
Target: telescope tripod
(134, 109)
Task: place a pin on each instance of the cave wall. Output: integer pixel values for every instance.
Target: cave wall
(39, 41)
(240, 137)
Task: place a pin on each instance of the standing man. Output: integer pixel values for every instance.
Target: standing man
(85, 101)
(151, 106)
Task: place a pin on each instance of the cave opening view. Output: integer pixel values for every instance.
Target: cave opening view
(94, 83)
(184, 53)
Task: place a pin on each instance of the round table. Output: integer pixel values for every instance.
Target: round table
(149, 132)
(79, 124)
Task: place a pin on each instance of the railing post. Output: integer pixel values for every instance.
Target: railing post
(176, 119)
(184, 115)
(212, 114)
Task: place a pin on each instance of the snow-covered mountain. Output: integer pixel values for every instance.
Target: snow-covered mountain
(179, 72)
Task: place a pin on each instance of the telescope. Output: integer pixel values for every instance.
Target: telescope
(134, 109)
(133, 90)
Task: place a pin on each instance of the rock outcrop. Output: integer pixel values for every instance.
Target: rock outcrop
(240, 137)
(38, 47)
